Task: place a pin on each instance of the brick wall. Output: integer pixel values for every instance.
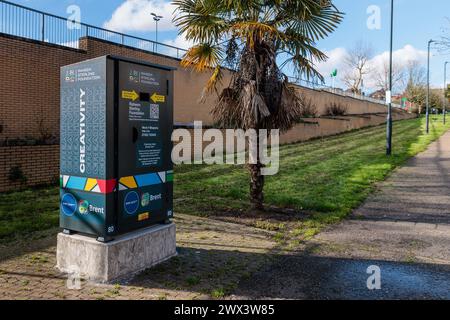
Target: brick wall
(39, 164)
(29, 103)
(29, 79)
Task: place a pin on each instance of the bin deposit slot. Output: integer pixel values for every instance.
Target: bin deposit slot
(145, 97)
(135, 134)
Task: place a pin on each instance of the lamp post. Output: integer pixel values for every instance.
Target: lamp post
(157, 18)
(389, 96)
(445, 91)
(428, 86)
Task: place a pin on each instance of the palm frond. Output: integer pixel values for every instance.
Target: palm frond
(200, 21)
(314, 19)
(213, 82)
(259, 95)
(251, 30)
(202, 57)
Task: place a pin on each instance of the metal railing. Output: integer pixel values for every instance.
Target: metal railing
(21, 21)
(337, 91)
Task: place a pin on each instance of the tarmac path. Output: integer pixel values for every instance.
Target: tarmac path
(403, 228)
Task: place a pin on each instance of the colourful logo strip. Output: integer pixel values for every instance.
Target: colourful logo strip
(128, 182)
(76, 183)
(148, 179)
(90, 184)
(169, 176)
(109, 186)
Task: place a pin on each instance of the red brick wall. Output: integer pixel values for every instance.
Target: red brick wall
(39, 164)
(29, 79)
(29, 100)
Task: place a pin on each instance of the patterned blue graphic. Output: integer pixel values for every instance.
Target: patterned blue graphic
(131, 202)
(147, 179)
(69, 204)
(76, 183)
(95, 113)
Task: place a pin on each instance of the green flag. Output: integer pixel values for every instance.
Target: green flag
(334, 73)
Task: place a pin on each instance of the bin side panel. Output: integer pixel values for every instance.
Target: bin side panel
(84, 180)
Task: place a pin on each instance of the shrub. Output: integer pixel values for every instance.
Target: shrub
(16, 175)
(336, 109)
(308, 109)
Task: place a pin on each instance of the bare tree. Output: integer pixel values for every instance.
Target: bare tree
(416, 84)
(357, 62)
(444, 43)
(416, 74)
(381, 76)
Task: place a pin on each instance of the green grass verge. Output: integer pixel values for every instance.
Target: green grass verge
(328, 177)
(25, 212)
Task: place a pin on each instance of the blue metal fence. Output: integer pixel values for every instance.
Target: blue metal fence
(337, 91)
(32, 24)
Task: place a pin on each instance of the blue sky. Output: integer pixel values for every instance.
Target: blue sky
(416, 21)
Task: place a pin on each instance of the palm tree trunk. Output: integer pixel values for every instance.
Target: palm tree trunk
(256, 186)
(256, 178)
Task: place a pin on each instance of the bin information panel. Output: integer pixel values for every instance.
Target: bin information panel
(144, 144)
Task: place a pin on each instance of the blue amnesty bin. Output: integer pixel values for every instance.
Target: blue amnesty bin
(116, 126)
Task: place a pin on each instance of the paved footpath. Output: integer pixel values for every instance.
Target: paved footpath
(403, 228)
(212, 256)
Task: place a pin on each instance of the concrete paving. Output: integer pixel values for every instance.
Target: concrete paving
(212, 255)
(403, 228)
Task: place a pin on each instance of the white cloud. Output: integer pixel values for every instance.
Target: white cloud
(401, 57)
(180, 42)
(134, 15)
(335, 61)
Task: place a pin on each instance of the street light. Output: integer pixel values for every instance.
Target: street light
(428, 86)
(389, 96)
(445, 90)
(157, 18)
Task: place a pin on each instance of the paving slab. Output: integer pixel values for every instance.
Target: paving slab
(212, 257)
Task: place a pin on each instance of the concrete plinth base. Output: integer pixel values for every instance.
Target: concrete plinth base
(118, 259)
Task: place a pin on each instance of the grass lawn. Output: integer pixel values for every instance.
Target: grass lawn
(324, 178)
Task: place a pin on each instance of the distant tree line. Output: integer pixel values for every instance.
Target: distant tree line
(409, 80)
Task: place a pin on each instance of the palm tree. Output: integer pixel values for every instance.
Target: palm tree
(257, 39)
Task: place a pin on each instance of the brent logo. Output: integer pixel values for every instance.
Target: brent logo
(84, 208)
